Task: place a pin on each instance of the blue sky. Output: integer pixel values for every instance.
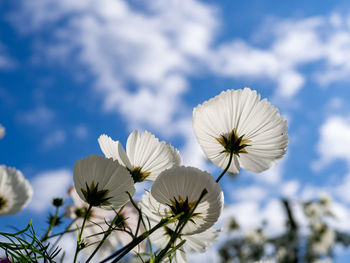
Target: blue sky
(72, 71)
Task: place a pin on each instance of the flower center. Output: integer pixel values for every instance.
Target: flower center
(179, 206)
(95, 197)
(138, 175)
(232, 143)
(3, 202)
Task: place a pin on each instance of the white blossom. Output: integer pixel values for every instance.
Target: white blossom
(145, 157)
(15, 191)
(102, 182)
(237, 122)
(179, 189)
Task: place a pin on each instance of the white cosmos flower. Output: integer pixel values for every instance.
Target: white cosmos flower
(238, 121)
(15, 191)
(325, 241)
(102, 182)
(2, 131)
(193, 242)
(178, 189)
(145, 156)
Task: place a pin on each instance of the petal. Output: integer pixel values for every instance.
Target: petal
(15, 189)
(106, 174)
(131, 144)
(254, 119)
(189, 183)
(113, 149)
(200, 241)
(150, 154)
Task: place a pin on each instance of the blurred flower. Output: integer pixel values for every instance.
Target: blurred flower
(323, 260)
(237, 122)
(129, 220)
(196, 242)
(255, 237)
(102, 182)
(326, 200)
(2, 131)
(193, 242)
(178, 189)
(145, 156)
(15, 191)
(324, 241)
(313, 210)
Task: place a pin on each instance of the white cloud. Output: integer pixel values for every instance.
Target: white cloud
(6, 62)
(251, 214)
(39, 116)
(49, 185)
(290, 189)
(55, 138)
(154, 49)
(81, 131)
(250, 193)
(334, 142)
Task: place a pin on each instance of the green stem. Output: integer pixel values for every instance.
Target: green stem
(179, 229)
(78, 248)
(228, 166)
(52, 222)
(123, 251)
(107, 233)
(60, 235)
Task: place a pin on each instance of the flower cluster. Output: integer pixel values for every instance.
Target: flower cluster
(234, 129)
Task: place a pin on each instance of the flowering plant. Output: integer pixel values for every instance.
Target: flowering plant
(234, 129)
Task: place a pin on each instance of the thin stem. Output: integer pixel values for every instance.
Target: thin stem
(179, 229)
(77, 250)
(60, 235)
(228, 166)
(51, 225)
(107, 233)
(123, 251)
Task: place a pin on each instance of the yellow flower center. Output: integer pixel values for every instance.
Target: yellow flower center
(3, 202)
(94, 196)
(138, 175)
(232, 143)
(179, 206)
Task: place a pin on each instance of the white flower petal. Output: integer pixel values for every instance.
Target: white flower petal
(105, 174)
(114, 149)
(160, 238)
(143, 152)
(200, 241)
(254, 119)
(151, 155)
(183, 183)
(14, 189)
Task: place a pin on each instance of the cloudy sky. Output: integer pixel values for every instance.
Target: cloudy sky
(72, 70)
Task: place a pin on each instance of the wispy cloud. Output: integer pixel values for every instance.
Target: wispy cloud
(40, 116)
(6, 62)
(55, 138)
(334, 142)
(142, 57)
(48, 185)
(154, 49)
